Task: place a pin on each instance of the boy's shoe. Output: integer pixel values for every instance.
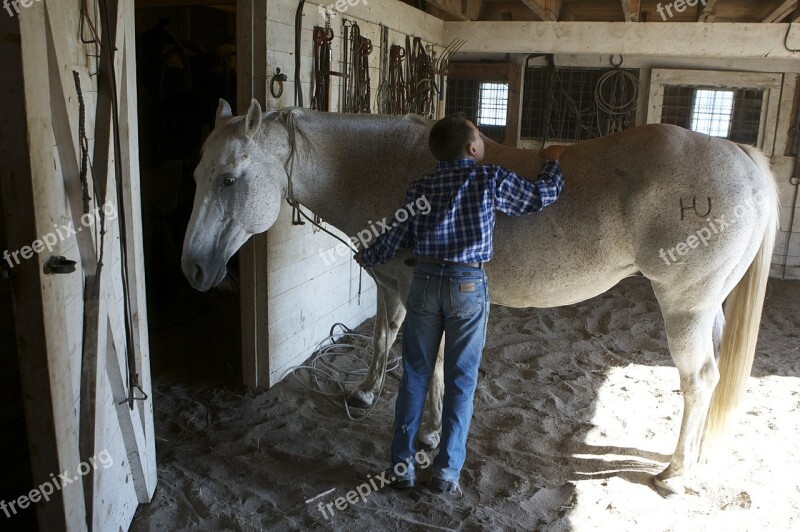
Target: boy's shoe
(447, 487)
(400, 482)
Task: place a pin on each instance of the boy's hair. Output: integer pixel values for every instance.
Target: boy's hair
(449, 137)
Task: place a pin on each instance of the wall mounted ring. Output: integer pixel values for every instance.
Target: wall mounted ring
(278, 79)
(616, 65)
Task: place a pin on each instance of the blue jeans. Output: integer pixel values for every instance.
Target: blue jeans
(453, 300)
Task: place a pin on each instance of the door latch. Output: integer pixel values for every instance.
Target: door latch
(59, 264)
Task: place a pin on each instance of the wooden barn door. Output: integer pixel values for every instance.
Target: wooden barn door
(83, 334)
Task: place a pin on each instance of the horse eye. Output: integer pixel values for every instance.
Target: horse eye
(229, 181)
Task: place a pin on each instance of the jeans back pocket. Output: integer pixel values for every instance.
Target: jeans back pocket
(419, 291)
(467, 295)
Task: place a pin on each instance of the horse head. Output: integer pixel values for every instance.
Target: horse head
(240, 185)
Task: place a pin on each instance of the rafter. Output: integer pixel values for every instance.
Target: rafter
(708, 12)
(566, 14)
(781, 12)
(547, 10)
(631, 9)
(441, 6)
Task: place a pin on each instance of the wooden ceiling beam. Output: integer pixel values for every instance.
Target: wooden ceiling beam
(781, 12)
(632, 9)
(708, 12)
(687, 39)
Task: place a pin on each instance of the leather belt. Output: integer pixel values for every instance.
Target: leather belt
(411, 262)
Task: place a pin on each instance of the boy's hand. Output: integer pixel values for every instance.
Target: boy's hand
(552, 153)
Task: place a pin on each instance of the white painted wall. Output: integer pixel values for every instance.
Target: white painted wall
(308, 294)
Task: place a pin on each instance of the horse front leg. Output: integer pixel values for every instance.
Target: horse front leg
(386, 330)
(431, 431)
(692, 346)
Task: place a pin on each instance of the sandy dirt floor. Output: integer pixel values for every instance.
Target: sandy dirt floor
(574, 408)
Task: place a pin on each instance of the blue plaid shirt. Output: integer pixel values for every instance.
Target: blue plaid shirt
(463, 198)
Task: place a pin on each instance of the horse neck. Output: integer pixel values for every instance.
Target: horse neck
(344, 169)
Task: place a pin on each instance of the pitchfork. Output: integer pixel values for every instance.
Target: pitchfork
(443, 64)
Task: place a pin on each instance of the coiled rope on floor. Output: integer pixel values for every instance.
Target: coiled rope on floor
(339, 363)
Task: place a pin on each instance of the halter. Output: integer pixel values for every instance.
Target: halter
(288, 118)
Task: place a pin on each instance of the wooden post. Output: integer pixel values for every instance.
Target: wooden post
(251, 68)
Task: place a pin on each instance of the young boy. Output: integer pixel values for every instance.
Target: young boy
(449, 292)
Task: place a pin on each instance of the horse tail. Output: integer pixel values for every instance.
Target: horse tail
(743, 308)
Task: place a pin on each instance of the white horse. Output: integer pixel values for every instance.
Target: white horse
(694, 214)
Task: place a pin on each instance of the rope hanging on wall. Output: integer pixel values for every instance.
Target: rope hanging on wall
(616, 96)
(614, 99)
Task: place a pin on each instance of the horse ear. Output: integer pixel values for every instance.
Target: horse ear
(223, 112)
(253, 121)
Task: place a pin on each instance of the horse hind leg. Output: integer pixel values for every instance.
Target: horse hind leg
(431, 430)
(694, 339)
(386, 330)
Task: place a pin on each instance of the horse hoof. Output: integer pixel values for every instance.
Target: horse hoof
(429, 441)
(359, 399)
(669, 488)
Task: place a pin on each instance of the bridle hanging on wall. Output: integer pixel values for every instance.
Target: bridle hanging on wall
(397, 86)
(382, 99)
(321, 81)
(356, 88)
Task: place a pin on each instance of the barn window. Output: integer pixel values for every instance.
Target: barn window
(561, 104)
(492, 104)
(484, 103)
(733, 114)
(712, 111)
(739, 106)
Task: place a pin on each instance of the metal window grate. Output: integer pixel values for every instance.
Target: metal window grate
(492, 104)
(712, 111)
(734, 114)
(465, 96)
(560, 104)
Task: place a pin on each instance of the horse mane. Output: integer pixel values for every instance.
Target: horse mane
(288, 118)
